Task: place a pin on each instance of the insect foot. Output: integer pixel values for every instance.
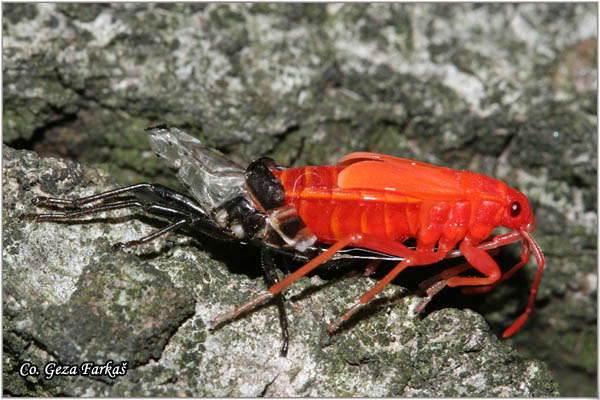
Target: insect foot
(118, 246)
(39, 200)
(27, 217)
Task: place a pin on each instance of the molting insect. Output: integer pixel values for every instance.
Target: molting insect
(367, 206)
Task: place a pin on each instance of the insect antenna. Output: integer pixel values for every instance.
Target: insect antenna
(537, 251)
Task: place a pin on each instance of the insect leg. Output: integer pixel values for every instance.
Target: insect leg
(481, 261)
(436, 283)
(359, 240)
(185, 217)
(76, 203)
(151, 236)
(443, 276)
(484, 289)
(525, 253)
(271, 278)
(365, 298)
(160, 191)
(413, 258)
(371, 267)
(278, 287)
(71, 215)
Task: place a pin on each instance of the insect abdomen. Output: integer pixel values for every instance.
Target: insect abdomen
(331, 212)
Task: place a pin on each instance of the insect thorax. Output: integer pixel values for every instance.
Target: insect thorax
(263, 213)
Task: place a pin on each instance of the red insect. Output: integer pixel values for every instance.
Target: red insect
(365, 207)
(377, 202)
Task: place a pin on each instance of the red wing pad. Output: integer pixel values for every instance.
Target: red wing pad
(405, 177)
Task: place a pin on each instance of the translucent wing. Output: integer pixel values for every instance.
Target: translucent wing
(209, 176)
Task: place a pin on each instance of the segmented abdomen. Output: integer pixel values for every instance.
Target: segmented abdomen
(332, 213)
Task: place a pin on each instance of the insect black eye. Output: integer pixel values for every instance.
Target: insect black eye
(515, 209)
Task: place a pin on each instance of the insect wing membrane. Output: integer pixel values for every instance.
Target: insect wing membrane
(209, 176)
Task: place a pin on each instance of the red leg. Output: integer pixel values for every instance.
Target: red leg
(368, 242)
(412, 258)
(436, 283)
(444, 275)
(481, 261)
(492, 278)
(371, 267)
(508, 274)
(279, 286)
(475, 255)
(365, 298)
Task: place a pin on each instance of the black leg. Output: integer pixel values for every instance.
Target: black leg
(150, 208)
(184, 217)
(161, 191)
(271, 278)
(152, 236)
